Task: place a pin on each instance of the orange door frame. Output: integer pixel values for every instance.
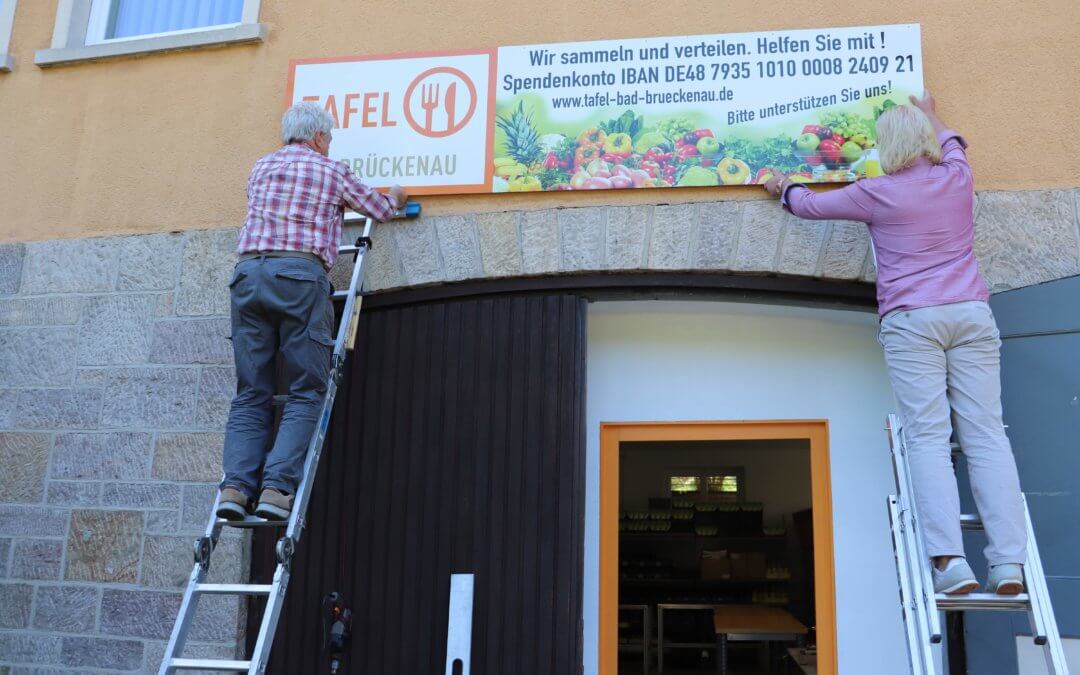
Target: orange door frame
(612, 434)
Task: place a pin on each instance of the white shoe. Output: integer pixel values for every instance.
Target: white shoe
(1006, 579)
(956, 579)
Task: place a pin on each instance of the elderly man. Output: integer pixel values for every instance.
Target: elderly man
(281, 305)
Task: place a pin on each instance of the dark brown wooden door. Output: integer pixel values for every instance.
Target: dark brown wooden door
(457, 445)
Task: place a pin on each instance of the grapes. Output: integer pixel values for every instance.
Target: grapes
(675, 127)
(848, 124)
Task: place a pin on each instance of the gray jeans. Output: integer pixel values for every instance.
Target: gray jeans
(279, 306)
(946, 359)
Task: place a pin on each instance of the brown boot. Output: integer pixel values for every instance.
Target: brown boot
(233, 504)
(274, 505)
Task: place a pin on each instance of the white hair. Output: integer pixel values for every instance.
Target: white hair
(904, 134)
(303, 120)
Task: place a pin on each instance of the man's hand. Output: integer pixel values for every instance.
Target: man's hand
(400, 195)
(925, 104)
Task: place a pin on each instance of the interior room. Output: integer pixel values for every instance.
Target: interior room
(716, 536)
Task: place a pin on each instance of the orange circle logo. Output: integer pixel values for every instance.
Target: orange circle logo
(440, 93)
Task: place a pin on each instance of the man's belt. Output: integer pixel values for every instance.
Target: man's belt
(280, 254)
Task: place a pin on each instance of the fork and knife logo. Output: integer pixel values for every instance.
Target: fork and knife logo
(440, 93)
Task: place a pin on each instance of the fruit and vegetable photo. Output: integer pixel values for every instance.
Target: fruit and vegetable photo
(630, 151)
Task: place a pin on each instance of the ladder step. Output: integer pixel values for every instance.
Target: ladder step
(969, 521)
(233, 589)
(252, 521)
(209, 664)
(339, 295)
(981, 601)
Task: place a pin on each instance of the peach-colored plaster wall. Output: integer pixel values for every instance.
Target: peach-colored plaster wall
(164, 142)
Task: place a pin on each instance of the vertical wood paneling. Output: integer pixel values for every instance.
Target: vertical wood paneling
(456, 446)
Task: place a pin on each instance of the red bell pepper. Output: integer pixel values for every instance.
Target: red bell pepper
(686, 151)
(830, 151)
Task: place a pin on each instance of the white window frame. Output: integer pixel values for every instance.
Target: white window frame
(98, 24)
(79, 34)
(7, 21)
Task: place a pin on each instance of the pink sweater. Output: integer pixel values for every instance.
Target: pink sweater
(921, 223)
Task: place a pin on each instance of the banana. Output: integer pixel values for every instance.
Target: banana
(511, 170)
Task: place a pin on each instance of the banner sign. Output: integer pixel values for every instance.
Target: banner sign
(639, 113)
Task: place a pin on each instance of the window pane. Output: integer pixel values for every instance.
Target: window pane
(723, 484)
(142, 17)
(684, 484)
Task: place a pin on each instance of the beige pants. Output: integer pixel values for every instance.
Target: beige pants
(946, 358)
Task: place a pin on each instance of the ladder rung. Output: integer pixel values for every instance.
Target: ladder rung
(339, 295)
(345, 250)
(982, 601)
(252, 521)
(280, 399)
(970, 521)
(233, 589)
(209, 664)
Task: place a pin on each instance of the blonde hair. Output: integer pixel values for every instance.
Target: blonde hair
(904, 134)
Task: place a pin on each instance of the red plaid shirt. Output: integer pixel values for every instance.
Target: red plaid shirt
(297, 200)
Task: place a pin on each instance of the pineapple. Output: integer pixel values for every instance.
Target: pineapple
(522, 140)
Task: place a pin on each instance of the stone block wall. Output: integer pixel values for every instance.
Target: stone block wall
(115, 380)
(116, 376)
(1022, 238)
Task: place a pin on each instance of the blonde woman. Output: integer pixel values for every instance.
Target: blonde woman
(940, 338)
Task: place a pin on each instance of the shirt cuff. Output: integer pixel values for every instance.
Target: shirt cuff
(394, 206)
(945, 134)
(787, 188)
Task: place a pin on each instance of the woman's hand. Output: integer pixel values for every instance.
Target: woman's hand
(772, 186)
(928, 106)
(925, 104)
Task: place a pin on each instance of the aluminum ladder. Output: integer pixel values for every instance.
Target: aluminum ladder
(921, 606)
(294, 527)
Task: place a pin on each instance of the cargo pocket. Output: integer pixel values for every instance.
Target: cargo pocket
(237, 276)
(322, 347)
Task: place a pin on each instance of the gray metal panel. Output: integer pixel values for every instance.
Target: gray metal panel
(1052, 306)
(1040, 374)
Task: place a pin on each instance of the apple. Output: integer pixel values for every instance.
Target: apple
(807, 142)
(851, 151)
(708, 145)
(598, 183)
(620, 182)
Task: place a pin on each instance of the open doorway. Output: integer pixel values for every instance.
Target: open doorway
(716, 549)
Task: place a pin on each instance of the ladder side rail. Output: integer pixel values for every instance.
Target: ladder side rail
(268, 627)
(920, 659)
(295, 528)
(1039, 595)
(190, 601)
(915, 568)
(1033, 573)
(921, 571)
(346, 335)
(315, 446)
(188, 605)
